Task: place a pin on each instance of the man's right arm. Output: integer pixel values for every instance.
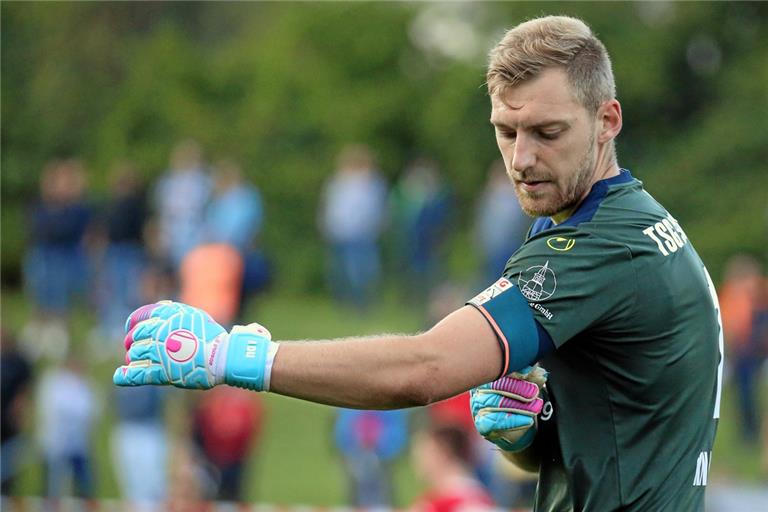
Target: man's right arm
(390, 372)
(172, 343)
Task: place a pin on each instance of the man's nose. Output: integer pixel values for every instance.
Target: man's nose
(524, 156)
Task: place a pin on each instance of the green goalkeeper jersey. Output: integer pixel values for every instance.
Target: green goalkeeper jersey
(635, 377)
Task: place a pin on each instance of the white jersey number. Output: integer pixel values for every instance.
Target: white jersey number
(716, 304)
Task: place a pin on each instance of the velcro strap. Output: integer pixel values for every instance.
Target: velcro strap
(247, 357)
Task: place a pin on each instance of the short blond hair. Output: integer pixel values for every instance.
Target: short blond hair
(553, 41)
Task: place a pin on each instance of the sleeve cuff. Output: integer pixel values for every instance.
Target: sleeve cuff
(509, 315)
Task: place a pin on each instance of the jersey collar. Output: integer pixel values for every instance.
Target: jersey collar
(588, 206)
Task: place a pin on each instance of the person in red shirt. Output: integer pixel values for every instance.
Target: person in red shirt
(227, 426)
(442, 457)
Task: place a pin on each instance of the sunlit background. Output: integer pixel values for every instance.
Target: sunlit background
(101, 100)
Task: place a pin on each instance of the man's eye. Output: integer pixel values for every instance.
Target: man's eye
(549, 135)
(509, 135)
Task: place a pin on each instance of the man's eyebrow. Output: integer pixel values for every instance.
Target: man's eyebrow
(553, 123)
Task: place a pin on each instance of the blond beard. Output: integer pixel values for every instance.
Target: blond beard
(576, 187)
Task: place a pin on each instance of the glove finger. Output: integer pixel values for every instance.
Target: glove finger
(516, 388)
(144, 351)
(163, 309)
(489, 398)
(141, 314)
(139, 375)
(143, 330)
(534, 407)
(513, 441)
(486, 398)
(193, 320)
(494, 421)
(480, 400)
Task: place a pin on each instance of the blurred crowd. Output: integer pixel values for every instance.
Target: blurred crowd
(194, 235)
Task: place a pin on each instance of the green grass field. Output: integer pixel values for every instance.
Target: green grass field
(297, 462)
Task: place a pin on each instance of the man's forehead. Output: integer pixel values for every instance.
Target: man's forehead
(532, 114)
(548, 95)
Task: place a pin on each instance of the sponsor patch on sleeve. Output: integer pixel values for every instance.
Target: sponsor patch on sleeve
(492, 291)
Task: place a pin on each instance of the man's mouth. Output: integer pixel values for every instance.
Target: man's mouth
(532, 185)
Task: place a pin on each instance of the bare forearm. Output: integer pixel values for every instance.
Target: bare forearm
(369, 373)
(388, 372)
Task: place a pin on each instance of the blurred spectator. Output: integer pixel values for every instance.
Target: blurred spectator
(507, 487)
(159, 280)
(227, 424)
(500, 224)
(121, 259)
(67, 410)
(15, 381)
(142, 475)
(180, 198)
(369, 441)
(190, 485)
(442, 457)
(744, 310)
(211, 278)
(351, 219)
(57, 229)
(235, 213)
(235, 216)
(421, 204)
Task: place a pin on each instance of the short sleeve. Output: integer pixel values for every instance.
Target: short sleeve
(574, 282)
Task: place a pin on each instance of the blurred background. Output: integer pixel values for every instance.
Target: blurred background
(326, 169)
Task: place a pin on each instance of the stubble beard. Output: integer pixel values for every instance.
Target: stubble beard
(551, 202)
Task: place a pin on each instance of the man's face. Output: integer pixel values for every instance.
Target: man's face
(548, 142)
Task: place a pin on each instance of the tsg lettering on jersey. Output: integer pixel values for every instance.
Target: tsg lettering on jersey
(667, 234)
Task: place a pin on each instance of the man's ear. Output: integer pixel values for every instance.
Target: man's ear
(609, 119)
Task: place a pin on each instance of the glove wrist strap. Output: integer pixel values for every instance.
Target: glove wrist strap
(249, 358)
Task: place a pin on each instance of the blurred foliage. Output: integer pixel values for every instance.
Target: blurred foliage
(281, 86)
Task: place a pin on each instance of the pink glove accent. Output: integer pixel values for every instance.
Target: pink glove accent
(521, 388)
(533, 407)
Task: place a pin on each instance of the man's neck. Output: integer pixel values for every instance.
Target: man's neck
(602, 173)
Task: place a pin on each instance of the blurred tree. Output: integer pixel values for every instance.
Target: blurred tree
(282, 86)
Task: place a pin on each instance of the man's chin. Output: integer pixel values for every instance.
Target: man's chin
(538, 208)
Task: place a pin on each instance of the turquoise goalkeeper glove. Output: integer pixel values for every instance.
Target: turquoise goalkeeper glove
(505, 410)
(173, 343)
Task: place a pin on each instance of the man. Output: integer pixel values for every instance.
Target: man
(607, 291)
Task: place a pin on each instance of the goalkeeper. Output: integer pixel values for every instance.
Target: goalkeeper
(607, 292)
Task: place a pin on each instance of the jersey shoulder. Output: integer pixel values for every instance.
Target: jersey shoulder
(617, 211)
(584, 273)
